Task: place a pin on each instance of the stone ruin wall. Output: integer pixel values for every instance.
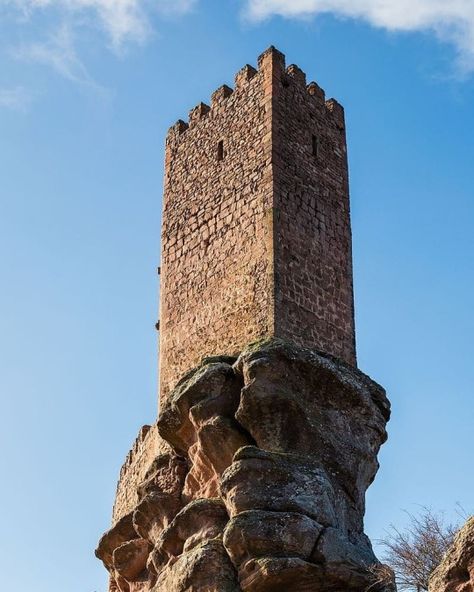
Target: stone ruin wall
(145, 449)
(256, 244)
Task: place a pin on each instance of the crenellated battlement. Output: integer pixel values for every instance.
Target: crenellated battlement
(244, 75)
(270, 60)
(297, 75)
(220, 95)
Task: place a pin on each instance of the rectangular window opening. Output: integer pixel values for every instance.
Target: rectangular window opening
(220, 150)
(315, 145)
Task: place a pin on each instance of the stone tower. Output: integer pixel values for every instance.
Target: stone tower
(253, 477)
(256, 237)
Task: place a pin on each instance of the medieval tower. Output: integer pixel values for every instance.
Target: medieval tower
(253, 478)
(256, 238)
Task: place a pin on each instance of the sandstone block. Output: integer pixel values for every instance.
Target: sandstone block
(259, 480)
(255, 534)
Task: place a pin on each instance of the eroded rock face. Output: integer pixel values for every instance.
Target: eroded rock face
(279, 483)
(456, 571)
(263, 489)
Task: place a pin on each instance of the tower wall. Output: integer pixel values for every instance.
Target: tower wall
(256, 230)
(216, 268)
(313, 252)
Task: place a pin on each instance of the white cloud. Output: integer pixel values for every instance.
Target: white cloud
(122, 20)
(450, 20)
(119, 21)
(59, 53)
(17, 98)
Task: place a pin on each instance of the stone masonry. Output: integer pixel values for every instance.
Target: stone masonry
(256, 237)
(253, 477)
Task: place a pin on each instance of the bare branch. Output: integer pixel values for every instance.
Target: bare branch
(415, 552)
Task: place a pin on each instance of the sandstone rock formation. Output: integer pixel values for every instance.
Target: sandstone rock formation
(456, 571)
(262, 485)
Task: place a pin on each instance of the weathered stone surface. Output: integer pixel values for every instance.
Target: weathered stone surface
(270, 534)
(297, 401)
(333, 548)
(291, 574)
(120, 533)
(456, 571)
(198, 522)
(160, 495)
(277, 482)
(205, 568)
(199, 420)
(189, 554)
(153, 515)
(130, 559)
(166, 474)
(262, 486)
(210, 455)
(146, 448)
(210, 390)
(125, 555)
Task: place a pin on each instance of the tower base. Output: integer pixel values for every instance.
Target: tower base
(253, 480)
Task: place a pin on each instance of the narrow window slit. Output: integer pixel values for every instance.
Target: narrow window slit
(315, 145)
(220, 150)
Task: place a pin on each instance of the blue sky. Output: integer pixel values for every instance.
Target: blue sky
(87, 91)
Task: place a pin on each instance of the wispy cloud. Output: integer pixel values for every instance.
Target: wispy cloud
(59, 53)
(16, 98)
(122, 20)
(450, 20)
(118, 22)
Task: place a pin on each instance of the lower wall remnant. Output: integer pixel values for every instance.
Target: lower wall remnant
(145, 449)
(252, 480)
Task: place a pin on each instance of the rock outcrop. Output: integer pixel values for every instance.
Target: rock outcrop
(261, 487)
(456, 571)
